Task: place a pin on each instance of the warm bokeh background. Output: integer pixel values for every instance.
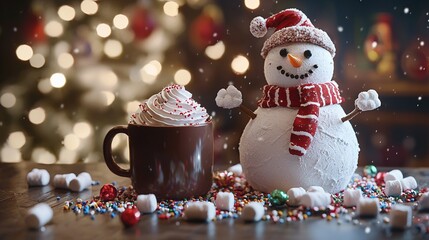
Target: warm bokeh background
(70, 70)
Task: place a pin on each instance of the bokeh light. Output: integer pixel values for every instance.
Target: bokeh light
(182, 77)
(82, 129)
(37, 60)
(41, 155)
(71, 142)
(216, 51)
(113, 48)
(37, 115)
(120, 21)
(252, 4)
(24, 52)
(44, 86)
(8, 100)
(58, 80)
(66, 13)
(54, 29)
(131, 107)
(16, 139)
(65, 60)
(171, 8)
(10, 155)
(89, 7)
(150, 71)
(103, 30)
(240, 64)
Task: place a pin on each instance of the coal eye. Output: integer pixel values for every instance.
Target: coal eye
(307, 54)
(283, 52)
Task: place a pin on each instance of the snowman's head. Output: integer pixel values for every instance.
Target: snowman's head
(294, 64)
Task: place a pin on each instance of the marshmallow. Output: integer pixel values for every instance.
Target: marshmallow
(316, 199)
(63, 180)
(424, 202)
(38, 216)
(408, 183)
(393, 188)
(200, 211)
(295, 195)
(225, 201)
(400, 216)
(237, 169)
(368, 207)
(315, 189)
(146, 203)
(253, 212)
(352, 197)
(82, 182)
(38, 177)
(393, 175)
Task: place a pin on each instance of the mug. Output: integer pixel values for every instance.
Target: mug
(170, 162)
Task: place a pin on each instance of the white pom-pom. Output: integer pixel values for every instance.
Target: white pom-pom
(258, 28)
(367, 101)
(229, 98)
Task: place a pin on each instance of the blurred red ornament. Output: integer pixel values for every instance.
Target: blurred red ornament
(108, 192)
(205, 31)
(130, 216)
(415, 62)
(379, 178)
(33, 28)
(142, 23)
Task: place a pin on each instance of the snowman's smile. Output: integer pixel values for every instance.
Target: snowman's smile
(297, 76)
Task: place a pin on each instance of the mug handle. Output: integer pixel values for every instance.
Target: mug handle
(107, 151)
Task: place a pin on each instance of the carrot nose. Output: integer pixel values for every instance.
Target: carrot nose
(294, 61)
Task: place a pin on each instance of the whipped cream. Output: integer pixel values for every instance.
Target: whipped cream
(173, 106)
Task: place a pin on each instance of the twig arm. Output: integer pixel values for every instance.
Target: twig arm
(247, 111)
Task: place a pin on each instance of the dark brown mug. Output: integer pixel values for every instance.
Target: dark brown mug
(170, 162)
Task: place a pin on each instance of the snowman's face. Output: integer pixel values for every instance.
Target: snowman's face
(298, 63)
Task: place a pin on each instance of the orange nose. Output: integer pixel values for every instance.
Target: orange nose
(294, 61)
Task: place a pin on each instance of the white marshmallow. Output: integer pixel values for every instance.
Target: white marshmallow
(400, 216)
(38, 177)
(393, 175)
(316, 199)
(237, 169)
(253, 212)
(315, 189)
(38, 216)
(393, 188)
(352, 197)
(424, 202)
(295, 195)
(200, 211)
(368, 207)
(408, 183)
(81, 182)
(225, 201)
(63, 180)
(146, 203)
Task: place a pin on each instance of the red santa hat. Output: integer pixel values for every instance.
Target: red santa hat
(291, 25)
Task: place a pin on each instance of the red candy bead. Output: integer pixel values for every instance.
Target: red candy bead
(108, 192)
(379, 178)
(130, 216)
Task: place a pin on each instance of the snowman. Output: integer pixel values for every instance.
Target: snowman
(299, 136)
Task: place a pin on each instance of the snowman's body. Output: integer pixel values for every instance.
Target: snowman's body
(330, 160)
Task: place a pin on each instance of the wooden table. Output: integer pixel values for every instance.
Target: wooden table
(16, 197)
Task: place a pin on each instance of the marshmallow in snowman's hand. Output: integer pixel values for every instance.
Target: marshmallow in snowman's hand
(225, 201)
(253, 212)
(146, 203)
(229, 98)
(63, 180)
(200, 211)
(82, 182)
(368, 100)
(38, 216)
(400, 216)
(237, 169)
(38, 177)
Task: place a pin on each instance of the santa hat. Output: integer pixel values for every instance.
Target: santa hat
(291, 25)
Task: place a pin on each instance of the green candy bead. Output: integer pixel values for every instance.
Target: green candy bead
(278, 198)
(370, 170)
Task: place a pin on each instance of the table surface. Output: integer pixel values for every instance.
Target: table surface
(16, 198)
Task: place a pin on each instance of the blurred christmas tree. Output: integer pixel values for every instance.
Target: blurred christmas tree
(90, 63)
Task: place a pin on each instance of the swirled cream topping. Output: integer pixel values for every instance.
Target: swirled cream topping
(173, 106)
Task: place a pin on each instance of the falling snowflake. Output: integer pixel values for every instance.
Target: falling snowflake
(406, 10)
(340, 29)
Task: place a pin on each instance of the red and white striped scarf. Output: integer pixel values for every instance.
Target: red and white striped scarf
(308, 98)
